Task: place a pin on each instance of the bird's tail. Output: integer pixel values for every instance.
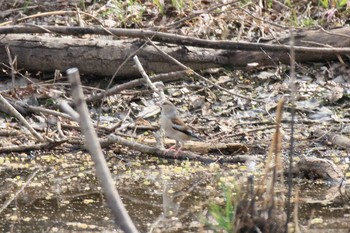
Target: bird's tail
(196, 137)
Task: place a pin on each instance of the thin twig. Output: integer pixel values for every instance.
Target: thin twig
(32, 147)
(9, 201)
(21, 118)
(171, 76)
(37, 109)
(148, 80)
(11, 62)
(49, 14)
(292, 125)
(195, 14)
(115, 75)
(198, 75)
(157, 88)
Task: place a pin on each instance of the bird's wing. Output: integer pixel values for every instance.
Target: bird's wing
(179, 125)
(182, 127)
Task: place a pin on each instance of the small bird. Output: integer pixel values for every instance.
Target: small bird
(174, 127)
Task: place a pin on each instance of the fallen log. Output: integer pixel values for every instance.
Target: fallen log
(102, 56)
(99, 57)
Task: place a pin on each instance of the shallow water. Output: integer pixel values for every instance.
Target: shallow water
(160, 195)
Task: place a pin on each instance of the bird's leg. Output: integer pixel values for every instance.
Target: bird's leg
(177, 145)
(172, 147)
(178, 150)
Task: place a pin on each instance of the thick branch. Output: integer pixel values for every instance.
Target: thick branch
(103, 174)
